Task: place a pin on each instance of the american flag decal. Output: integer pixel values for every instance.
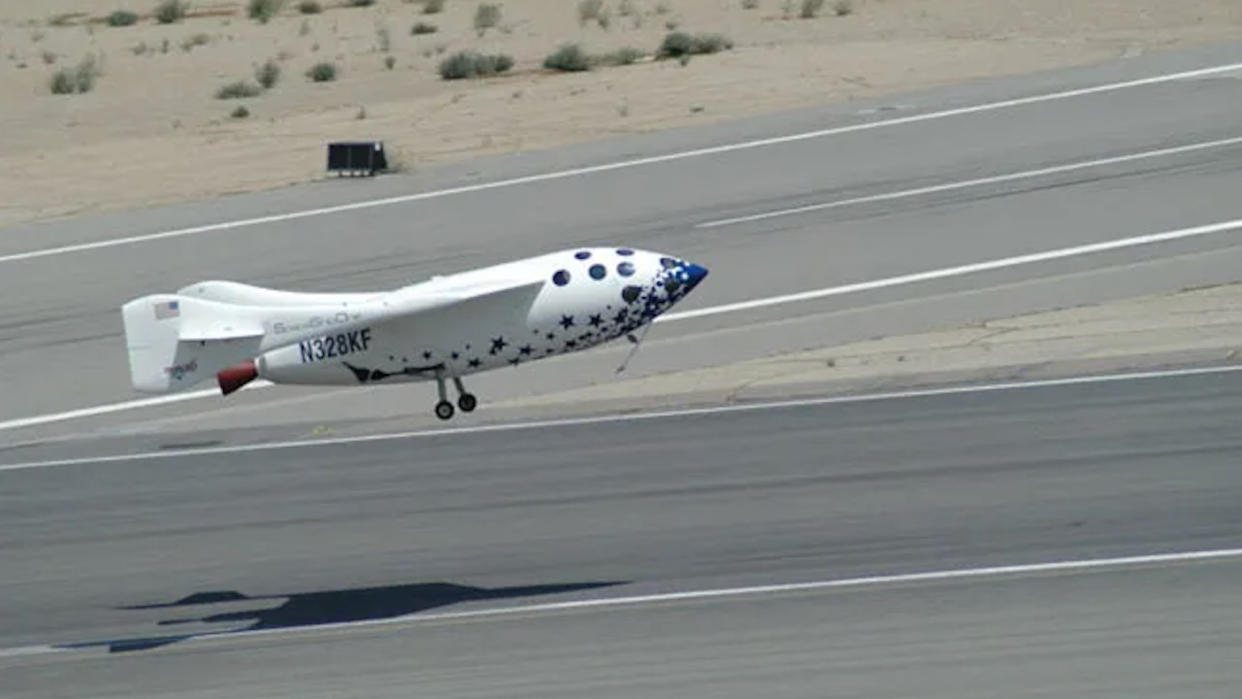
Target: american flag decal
(167, 309)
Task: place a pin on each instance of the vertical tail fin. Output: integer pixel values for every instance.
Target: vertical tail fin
(176, 341)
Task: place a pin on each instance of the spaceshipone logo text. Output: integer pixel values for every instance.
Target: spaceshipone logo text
(339, 345)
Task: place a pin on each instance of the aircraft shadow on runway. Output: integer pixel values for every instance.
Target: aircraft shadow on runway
(326, 607)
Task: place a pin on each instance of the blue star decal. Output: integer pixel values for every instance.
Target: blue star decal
(621, 316)
(474, 362)
(515, 361)
(525, 350)
(596, 320)
(567, 322)
(498, 343)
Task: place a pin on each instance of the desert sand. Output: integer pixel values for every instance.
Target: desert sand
(152, 131)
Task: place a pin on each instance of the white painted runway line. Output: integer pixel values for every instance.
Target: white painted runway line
(1069, 567)
(811, 295)
(1004, 262)
(627, 417)
(977, 182)
(623, 164)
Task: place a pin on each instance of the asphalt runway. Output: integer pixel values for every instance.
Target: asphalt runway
(60, 328)
(139, 556)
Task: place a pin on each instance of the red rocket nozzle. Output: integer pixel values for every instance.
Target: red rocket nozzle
(236, 376)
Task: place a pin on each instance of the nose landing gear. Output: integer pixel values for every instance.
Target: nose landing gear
(465, 400)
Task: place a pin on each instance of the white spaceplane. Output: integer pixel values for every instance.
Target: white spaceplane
(442, 329)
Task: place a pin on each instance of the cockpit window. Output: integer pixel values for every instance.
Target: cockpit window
(630, 293)
(561, 278)
(672, 285)
(626, 269)
(582, 254)
(598, 272)
(668, 262)
(625, 252)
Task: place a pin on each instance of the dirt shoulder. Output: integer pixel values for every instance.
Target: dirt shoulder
(152, 131)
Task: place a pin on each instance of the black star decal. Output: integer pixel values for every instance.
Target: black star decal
(551, 336)
(474, 362)
(567, 322)
(570, 344)
(498, 343)
(526, 350)
(454, 355)
(621, 316)
(392, 358)
(548, 350)
(596, 321)
(426, 354)
(515, 361)
(405, 360)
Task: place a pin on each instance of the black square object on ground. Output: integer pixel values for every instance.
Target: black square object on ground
(357, 157)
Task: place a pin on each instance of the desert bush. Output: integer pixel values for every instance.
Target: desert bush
(679, 44)
(322, 72)
(122, 18)
(49, 57)
(569, 58)
(62, 82)
(390, 62)
(663, 8)
(240, 113)
(472, 64)
(431, 7)
(627, 8)
(310, 7)
(676, 44)
(264, 10)
(361, 3)
(621, 57)
(811, 8)
(188, 43)
(423, 28)
(711, 43)
(750, 4)
(842, 8)
(80, 78)
(486, 16)
(383, 38)
(238, 90)
(267, 74)
(170, 11)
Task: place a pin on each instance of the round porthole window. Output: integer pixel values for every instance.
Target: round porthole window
(561, 278)
(630, 293)
(598, 272)
(582, 255)
(625, 252)
(625, 269)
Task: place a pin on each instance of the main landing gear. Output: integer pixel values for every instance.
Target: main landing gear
(466, 401)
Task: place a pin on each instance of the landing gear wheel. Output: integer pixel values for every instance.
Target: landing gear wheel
(467, 402)
(444, 410)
